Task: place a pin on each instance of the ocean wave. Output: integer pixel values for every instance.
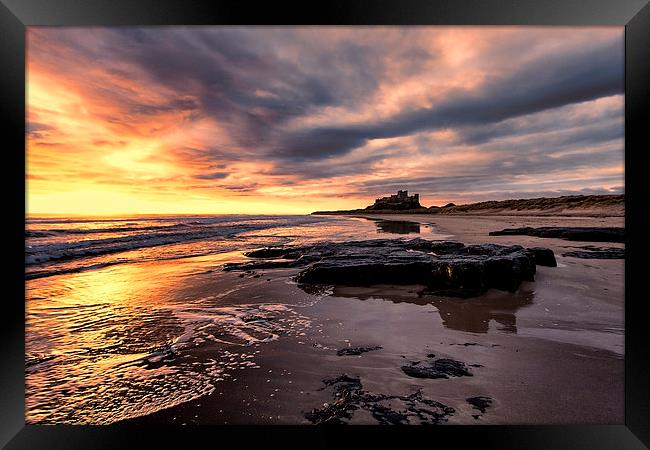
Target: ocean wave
(64, 246)
(31, 275)
(37, 254)
(125, 229)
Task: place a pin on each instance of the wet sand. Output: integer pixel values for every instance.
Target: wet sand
(550, 353)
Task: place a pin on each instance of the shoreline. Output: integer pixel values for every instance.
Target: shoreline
(496, 213)
(578, 205)
(561, 333)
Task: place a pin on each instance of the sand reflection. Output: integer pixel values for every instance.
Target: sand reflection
(397, 227)
(472, 315)
(129, 340)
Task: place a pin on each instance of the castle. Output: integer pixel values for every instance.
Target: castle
(401, 200)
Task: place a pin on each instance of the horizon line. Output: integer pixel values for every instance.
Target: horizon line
(153, 214)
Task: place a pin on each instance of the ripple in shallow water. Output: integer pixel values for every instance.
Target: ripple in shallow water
(124, 378)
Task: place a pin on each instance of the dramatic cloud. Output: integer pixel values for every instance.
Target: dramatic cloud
(270, 119)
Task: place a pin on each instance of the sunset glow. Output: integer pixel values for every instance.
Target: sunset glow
(261, 120)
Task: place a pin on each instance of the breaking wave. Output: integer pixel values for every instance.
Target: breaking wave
(49, 243)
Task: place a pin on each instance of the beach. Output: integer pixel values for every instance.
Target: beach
(157, 332)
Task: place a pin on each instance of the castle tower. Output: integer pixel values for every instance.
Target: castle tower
(398, 201)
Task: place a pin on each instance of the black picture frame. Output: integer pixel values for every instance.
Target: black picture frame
(16, 15)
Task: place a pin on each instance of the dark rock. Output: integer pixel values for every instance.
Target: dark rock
(435, 247)
(446, 268)
(387, 416)
(349, 396)
(346, 390)
(591, 234)
(266, 253)
(543, 256)
(366, 272)
(343, 381)
(481, 402)
(275, 252)
(591, 252)
(355, 351)
(472, 344)
(264, 264)
(316, 289)
(440, 368)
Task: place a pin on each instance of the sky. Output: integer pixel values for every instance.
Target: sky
(270, 120)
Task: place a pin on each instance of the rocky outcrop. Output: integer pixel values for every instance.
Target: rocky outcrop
(591, 234)
(481, 402)
(349, 396)
(436, 368)
(446, 268)
(591, 252)
(439, 265)
(544, 256)
(356, 351)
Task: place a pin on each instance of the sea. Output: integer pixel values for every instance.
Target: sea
(128, 316)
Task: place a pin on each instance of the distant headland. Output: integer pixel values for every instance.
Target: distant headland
(402, 203)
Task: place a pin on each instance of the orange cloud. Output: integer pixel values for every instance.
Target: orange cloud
(214, 120)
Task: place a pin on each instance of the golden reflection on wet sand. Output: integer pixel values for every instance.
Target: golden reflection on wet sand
(122, 340)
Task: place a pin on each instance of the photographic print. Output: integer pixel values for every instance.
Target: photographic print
(311, 225)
